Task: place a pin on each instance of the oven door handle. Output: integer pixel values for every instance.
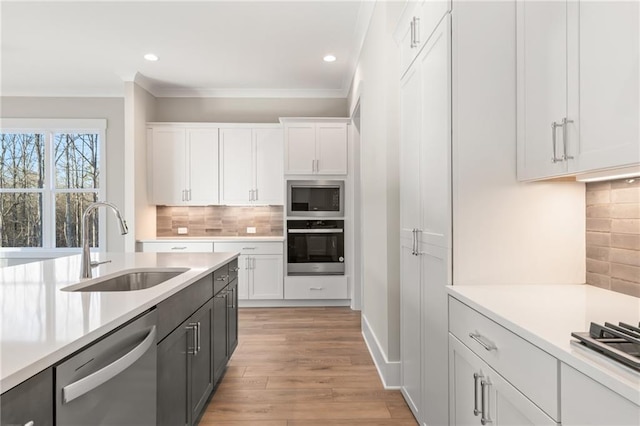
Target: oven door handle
(316, 231)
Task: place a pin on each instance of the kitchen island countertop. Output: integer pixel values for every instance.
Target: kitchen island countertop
(545, 315)
(42, 323)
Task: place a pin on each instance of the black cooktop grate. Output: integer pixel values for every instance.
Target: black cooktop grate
(620, 342)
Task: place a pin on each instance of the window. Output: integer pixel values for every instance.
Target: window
(50, 171)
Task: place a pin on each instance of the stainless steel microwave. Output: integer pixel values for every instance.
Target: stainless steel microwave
(315, 198)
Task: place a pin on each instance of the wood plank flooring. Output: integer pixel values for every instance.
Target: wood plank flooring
(303, 367)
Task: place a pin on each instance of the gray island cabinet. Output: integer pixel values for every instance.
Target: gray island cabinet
(194, 346)
(196, 334)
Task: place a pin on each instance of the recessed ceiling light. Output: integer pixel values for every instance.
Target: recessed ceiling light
(151, 57)
(329, 58)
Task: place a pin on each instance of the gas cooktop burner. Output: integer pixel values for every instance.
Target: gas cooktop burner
(620, 342)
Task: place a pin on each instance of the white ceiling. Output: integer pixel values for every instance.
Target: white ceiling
(206, 48)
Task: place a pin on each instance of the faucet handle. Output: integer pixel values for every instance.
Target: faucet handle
(96, 263)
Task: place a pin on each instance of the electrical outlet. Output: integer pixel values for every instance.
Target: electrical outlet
(251, 229)
(182, 231)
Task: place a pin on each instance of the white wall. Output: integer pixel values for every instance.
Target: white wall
(139, 108)
(112, 109)
(376, 81)
(504, 231)
(247, 110)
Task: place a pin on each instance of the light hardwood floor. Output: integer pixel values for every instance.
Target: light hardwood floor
(303, 367)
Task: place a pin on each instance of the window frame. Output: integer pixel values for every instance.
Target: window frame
(49, 127)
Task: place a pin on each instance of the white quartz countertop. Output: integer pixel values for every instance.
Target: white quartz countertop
(42, 323)
(213, 239)
(545, 315)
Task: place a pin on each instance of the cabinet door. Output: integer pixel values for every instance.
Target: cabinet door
(173, 372)
(269, 166)
(30, 401)
(411, 329)
(581, 395)
(299, 148)
(541, 86)
(266, 277)
(430, 13)
(202, 166)
(410, 194)
(495, 400)
(331, 148)
(232, 317)
(201, 375)
(236, 167)
(219, 335)
(168, 166)
(435, 275)
(604, 65)
(435, 136)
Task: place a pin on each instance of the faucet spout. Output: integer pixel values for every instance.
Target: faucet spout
(85, 262)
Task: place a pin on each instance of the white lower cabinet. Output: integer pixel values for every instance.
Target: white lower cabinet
(587, 402)
(478, 395)
(322, 287)
(261, 269)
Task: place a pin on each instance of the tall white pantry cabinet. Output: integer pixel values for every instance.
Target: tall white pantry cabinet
(464, 217)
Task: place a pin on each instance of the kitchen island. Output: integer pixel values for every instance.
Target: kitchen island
(42, 323)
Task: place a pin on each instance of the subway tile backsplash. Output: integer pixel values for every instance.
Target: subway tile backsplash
(219, 221)
(613, 235)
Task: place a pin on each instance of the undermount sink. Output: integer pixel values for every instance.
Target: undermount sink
(129, 280)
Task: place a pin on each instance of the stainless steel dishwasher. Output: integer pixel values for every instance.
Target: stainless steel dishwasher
(113, 381)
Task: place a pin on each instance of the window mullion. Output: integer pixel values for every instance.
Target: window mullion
(49, 220)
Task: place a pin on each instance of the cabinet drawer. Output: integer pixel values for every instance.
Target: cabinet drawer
(177, 247)
(233, 269)
(316, 288)
(220, 278)
(175, 309)
(251, 247)
(530, 369)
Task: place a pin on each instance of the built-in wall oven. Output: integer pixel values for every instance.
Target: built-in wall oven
(315, 247)
(315, 198)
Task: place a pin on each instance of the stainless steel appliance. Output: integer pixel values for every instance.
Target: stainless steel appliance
(315, 198)
(620, 342)
(113, 381)
(315, 247)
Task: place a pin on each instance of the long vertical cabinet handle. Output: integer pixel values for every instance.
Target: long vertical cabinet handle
(199, 337)
(565, 156)
(194, 340)
(413, 241)
(484, 389)
(413, 33)
(554, 142)
(416, 31)
(476, 376)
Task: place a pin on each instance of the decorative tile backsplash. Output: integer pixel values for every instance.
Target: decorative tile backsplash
(613, 235)
(214, 221)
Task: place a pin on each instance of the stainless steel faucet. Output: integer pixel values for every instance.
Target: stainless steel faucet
(85, 262)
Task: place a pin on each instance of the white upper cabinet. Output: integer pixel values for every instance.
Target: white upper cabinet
(578, 87)
(183, 165)
(251, 166)
(236, 166)
(416, 25)
(542, 88)
(269, 165)
(315, 147)
(607, 106)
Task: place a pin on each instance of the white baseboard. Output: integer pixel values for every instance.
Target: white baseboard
(283, 303)
(389, 371)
